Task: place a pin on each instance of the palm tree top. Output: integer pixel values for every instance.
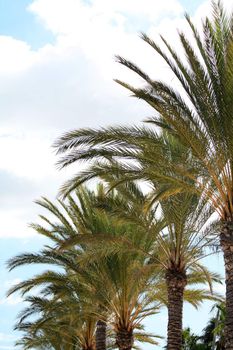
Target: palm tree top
(200, 117)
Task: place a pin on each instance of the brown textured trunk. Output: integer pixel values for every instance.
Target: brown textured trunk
(226, 241)
(176, 283)
(124, 339)
(100, 335)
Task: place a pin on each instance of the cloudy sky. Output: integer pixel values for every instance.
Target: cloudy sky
(56, 74)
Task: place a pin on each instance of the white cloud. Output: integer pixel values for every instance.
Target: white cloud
(25, 155)
(69, 16)
(101, 28)
(12, 50)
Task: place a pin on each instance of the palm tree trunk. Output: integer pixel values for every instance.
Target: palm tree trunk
(176, 283)
(100, 335)
(124, 339)
(226, 241)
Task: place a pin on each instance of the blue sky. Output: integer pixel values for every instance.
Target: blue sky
(56, 74)
(17, 21)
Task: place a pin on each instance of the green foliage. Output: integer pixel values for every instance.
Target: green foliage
(199, 116)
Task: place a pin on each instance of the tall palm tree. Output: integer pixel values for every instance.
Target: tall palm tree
(123, 285)
(199, 116)
(114, 283)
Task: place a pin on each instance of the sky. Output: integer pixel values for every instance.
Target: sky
(56, 74)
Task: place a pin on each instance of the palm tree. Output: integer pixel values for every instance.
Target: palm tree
(199, 116)
(123, 285)
(114, 284)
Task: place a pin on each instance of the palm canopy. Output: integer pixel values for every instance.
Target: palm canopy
(200, 116)
(122, 289)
